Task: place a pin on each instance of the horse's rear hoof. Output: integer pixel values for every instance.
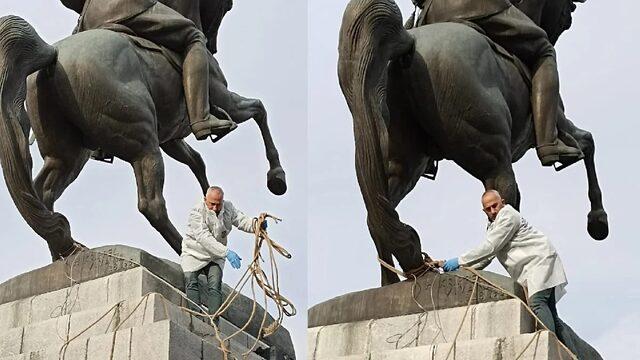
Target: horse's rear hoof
(276, 181)
(597, 224)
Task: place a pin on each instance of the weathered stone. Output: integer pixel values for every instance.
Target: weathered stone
(486, 320)
(11, 341)
(78, 297)
(500, 319)
(83, 325)
(45, 334)
(109, 270)
(151, 284)
(74, 350)
(126, 314)
(101, 347)
(312, 341)
(124, 285)
(163, 309)
(344, 339)
(15, 314)
(15, 357)
(164, 340)
(440, 326)
(536, 346)
(211, 350)
(394, 333)
(54, 304)
(540, 346)
(448, 290)
(479, 349)
(85, 266)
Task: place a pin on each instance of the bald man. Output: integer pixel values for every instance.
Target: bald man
(204, 248)
(528, 257)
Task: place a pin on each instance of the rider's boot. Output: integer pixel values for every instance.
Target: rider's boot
(544, 100)
(196, 90)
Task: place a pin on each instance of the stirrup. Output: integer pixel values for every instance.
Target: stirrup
(559, 161)
(222, 134)
(567, 162)
(100, 155)
(218, 132)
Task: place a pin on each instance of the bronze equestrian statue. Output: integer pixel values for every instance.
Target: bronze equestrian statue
(172, 29)
(115, 91)
(446, 90)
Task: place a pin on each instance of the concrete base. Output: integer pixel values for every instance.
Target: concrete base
(498, 330)
(114, 307)
(388, 323)
(433, 291)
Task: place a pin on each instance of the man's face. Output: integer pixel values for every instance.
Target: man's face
(492, 203)
(213, 200)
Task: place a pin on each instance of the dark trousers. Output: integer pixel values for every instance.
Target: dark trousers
(543, 304)
(214, 287)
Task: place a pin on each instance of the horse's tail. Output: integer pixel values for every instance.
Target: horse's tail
(372, 34)
(23, 52)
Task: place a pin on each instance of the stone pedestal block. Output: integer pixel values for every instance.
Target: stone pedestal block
(112, 310)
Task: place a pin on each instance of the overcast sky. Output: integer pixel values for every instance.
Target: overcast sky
(263, 51)
(598, 64)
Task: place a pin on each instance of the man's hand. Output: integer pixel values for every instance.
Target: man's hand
(234, 259)
(451, 265)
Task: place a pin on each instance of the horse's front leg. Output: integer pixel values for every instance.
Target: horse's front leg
(597, 222)
(242, 109)
(149, 172)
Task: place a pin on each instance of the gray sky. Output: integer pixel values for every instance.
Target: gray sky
(262, 57)
(598, 61)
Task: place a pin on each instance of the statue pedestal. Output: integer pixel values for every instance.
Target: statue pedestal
(386, 323)
(116, 309)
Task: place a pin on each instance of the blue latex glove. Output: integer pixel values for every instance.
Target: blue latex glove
(264, 225)
(451, 265)
(234, 259)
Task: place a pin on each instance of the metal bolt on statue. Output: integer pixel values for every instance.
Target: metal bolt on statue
(470, 81)
(130, 81)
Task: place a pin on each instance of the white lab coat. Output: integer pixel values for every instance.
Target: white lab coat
(206, 238)
(525, 252)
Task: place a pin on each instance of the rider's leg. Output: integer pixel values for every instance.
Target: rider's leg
(166, 27)
(514, 31)
(195, 77)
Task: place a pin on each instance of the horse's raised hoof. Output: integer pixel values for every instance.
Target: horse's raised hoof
(597, 224)
(276, 181)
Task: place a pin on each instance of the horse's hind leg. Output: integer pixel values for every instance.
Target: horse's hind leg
(242, 109)
(179, 150)
(60, 145)
(597, 223)
(149, 171)
(503, 180)
(57, 173)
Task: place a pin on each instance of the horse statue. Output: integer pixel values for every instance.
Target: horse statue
(440, 91)
(101, 89)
